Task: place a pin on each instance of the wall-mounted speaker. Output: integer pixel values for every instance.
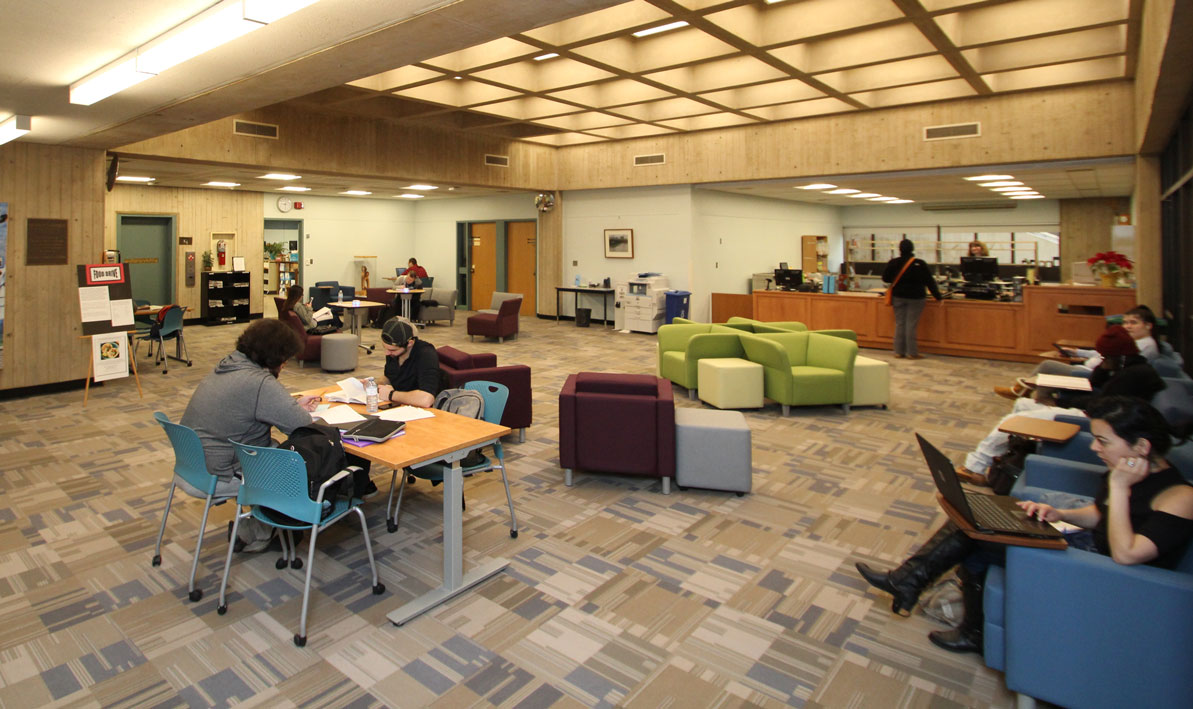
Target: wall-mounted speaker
(113, 168)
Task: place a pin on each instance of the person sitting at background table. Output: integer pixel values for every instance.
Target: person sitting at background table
(1142, 515)
(295, 304)
(411, 366)
(414, 270)
(242, 401)
(977, 248)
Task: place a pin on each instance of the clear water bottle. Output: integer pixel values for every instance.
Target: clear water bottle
(371, 395)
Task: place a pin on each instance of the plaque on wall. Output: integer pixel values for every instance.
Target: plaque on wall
(184, 240)
(45, 243)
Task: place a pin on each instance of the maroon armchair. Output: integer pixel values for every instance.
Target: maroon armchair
(617, 423)
(460, 367)
(312, 345)
(502, 324)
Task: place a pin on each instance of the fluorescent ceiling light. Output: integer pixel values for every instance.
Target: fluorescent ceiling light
(420, 187)
(816, 186)
(280, 176)
(411, 196)
(901, 201)
(1028, 196)
(545, 57)
(987, 178)
(14, 127)
(883, 199)
(1002, 183)
(843, 190)
(358, 193)
(661, 28)
(130, 178)
(864, 195)
(458, 78)
(221, 184)
(1005, 189)
(1012, 194)
(111, 79)
(266, 11)
(203, 32)
(774, 2)
(294, 188)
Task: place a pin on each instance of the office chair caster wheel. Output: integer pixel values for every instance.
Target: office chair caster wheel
(391, 527)
(222, 609)
(296, 564)
(410, 479)
(513, 533)
(196, 595)
(157, 559)
(379, 589)
(300, 640)
(165, 371)
(280, 564)
(189, 363)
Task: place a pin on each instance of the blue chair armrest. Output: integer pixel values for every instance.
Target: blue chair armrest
(1064, 475)
(1076, 449)
(1082, 630)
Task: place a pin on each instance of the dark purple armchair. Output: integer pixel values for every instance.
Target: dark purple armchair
(617, 423)
(460, 367)
(501, 325)
(312, 345)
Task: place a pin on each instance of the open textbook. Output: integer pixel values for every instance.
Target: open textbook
(351, 392)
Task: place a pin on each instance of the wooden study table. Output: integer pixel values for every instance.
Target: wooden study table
(444, 438)
(405, 294)
(1009, 539)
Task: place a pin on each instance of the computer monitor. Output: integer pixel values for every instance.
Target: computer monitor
(782, 265)
(979, 269)
(788, 278)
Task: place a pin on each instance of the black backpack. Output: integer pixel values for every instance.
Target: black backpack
(320, 446)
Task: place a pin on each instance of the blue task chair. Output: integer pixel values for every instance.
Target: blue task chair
(190, 465)
(495, 396)
(323, 292)
(167, 327)
(275, 491)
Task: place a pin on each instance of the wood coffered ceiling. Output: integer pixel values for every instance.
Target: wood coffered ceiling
(742, 62)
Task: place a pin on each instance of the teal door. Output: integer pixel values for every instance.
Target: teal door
(146, 244)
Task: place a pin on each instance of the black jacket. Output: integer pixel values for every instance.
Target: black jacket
(914, 281)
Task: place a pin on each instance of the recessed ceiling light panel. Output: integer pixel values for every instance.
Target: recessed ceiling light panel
(221, 184)
(843, 190)
(1002, 183)
(420, 187)
(883, 199)
(816, 186)
(411, 196)
(1028, 196)
(864, 195)
(901, 201)
(661, 28)
(131, 178)
(280, 176)
(545, 57)
(987, 178)
(294, 188)
(356, 193)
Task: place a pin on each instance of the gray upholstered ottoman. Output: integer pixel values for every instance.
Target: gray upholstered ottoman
(712, 450)
(338, 352)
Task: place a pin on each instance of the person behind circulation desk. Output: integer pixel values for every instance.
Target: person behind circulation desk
(1143, 514)
(908, 276)
(304, 312)
(242, 400)
(977, 248)
(411, 366)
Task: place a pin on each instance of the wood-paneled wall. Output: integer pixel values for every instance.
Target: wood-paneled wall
(41, 316)
(1085, 229)
(198, 213)
(550, 256)
(1057, 124)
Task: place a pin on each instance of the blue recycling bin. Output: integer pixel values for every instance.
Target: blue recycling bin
(677, 304)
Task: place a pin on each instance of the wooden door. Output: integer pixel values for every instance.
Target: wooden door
(521, 264)
(482, 264)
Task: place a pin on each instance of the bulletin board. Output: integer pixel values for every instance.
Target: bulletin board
(105, 298)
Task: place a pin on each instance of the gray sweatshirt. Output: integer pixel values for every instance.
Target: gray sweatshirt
(239, 401)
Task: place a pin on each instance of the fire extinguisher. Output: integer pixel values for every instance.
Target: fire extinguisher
(221, 251)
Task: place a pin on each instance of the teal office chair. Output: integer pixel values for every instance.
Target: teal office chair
(495, 396)
(275, 491)
(167, 327)
(190, 465)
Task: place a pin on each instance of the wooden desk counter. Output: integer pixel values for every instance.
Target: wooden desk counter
(966, 328)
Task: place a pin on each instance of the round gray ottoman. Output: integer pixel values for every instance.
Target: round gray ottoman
(338, 352)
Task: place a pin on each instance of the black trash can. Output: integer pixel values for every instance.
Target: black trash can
(583, 317)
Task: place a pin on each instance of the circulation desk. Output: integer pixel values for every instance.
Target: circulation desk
(966, 328)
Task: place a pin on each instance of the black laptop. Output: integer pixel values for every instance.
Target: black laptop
(374, 430)
(993, 514)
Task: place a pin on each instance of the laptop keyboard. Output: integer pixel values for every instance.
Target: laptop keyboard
(991, 515)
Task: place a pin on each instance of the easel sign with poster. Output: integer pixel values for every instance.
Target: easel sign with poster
(106, 311)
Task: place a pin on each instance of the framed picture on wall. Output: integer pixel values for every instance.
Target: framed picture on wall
(619, 243)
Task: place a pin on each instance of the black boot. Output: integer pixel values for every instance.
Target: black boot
(947, 548)
(966, 637)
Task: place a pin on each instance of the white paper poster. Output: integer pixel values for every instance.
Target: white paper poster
(122, 312)
(94, 304)
(109, 356)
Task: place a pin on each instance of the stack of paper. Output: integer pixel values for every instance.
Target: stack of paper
(339, 414)
(351, 392)
(405, 413)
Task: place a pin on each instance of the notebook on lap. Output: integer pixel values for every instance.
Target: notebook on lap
(993, 514)
(373, 429)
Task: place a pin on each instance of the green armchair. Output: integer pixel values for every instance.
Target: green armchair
(682, 346)
(804, 368)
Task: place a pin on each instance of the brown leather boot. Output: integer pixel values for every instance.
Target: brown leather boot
(968, 636)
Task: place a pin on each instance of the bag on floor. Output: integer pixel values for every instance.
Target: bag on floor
(1006, 468)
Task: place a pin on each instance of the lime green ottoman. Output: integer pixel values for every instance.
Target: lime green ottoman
(729, 382)
(871, 382)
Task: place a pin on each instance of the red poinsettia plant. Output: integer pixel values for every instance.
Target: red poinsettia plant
(1109, 262)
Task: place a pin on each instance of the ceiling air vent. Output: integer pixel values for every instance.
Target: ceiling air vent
(255, 130)
(956, 130)
(643, 160)
(497, 160)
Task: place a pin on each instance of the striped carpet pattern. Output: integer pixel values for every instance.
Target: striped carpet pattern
(616, 595)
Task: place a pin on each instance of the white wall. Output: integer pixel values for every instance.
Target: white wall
(739, 235)
(435, 220)
(1030, 212)
(337, 228)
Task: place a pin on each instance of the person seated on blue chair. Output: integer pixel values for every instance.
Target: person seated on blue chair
(412, 373)
(242, 401)
(306, 314)
(1142, 515)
